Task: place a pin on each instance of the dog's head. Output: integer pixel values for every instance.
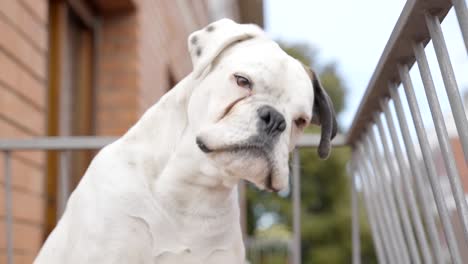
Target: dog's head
(251, 103)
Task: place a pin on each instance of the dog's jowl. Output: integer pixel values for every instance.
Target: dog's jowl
(166, 191)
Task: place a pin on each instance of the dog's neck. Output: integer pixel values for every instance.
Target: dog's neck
(191, 185)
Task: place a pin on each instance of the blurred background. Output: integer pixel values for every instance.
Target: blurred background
(92, 67)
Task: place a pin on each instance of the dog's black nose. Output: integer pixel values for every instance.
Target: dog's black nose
(271, 121)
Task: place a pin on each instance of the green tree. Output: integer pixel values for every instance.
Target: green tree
(326, 215)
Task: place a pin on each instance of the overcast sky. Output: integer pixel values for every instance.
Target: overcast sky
(353, 34)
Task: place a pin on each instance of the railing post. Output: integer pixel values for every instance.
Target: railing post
(448, 76)
(8, 207)
(378, 233)
(400, 195)
(442, 135)
(462, 16)
(420, 179)
(355, 223)
(428, 162)
(387, 194)
(407, 184)
(296, 196)
(64, 182)
(242, 192)
(381, 204)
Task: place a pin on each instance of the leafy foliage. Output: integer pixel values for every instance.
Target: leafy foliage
(326, 215)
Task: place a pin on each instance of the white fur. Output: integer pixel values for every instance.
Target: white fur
(153, 196)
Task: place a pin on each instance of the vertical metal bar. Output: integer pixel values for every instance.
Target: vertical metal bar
(376, 238)
(378, 207)
(428, 161)
(8, 207)
(296, 195)
(450, 82)
(243, 208)
(378, 233)
(444, 142)
(399, 194)
(355, 230)
(383, 203)
(387, 194)
(462, 16)
(64, 182)
(407, 184)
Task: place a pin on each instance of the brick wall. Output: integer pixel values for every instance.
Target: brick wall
(164, 27)
(23, 88)
(118, 76)
(142, 53)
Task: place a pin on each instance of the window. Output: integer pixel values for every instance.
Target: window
(71, 107)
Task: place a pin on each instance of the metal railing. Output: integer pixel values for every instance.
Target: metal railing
(62, 144)
(405, 224)
(67, 144)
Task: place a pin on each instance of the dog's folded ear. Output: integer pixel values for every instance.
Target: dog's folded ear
(323, 114)
(206, 44)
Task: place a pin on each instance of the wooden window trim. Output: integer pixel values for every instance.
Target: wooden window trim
(59, 11)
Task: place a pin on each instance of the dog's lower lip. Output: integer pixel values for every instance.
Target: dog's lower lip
(273, 190)
(202, 146)
(269, 184)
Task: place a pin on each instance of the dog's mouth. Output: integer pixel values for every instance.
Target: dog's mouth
(269, 183)
(256, 150)
(241, 147)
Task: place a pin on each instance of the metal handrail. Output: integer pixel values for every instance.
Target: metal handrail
(55, 143)
(394, 184)
(63, 144)
(92, 142)
(410, 27)
(66, 144)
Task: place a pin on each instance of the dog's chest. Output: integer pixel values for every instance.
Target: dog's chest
(177, 238)
(188, 257)
(190, 244)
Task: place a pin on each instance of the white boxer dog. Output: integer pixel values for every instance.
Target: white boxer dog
(166, 191)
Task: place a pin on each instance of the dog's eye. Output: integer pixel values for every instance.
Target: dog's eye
(300, 122)
(243, 82)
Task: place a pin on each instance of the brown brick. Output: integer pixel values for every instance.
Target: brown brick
(26, 237)
(460, 161)
(116, 120)
(19, 257)
(38, 9)
(118, 81)
(9, 131)
(118, 100)
(22, 51)
(20, 17)
(16, 78)
(25, 177)
(26, 206)
(15, 108)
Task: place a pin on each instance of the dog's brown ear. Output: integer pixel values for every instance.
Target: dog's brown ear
(206, 44)
(323, 114)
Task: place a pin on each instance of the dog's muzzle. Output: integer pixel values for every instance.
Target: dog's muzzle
(270, 125)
